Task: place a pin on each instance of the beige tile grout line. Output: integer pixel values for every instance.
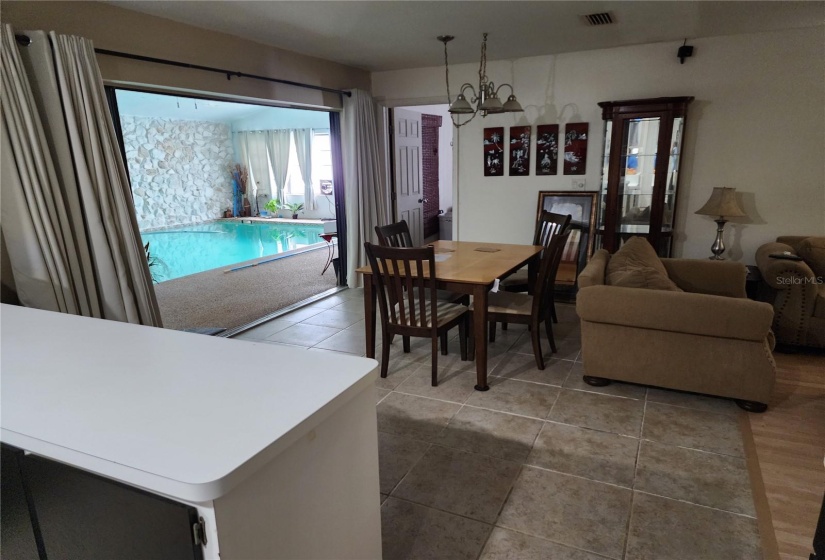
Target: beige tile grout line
(635, 473)
(695, 504)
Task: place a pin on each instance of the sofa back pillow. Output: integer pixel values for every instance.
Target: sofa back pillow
(636, 265)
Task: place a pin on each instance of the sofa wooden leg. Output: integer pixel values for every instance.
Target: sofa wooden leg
(752, 406)
(596, 381)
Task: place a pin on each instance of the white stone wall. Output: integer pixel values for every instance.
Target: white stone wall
(179, 170)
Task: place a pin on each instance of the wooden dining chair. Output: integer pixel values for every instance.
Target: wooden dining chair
(394, 235)
(527, 309)
(398, 235)
(407, 300)
(548, 225)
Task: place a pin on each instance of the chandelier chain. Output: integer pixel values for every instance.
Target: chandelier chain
(447, 77)
(482, 66)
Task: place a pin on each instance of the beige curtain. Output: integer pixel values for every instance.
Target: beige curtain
(365, 191)
(66, 209)
(303, 149)
(252, 151)
(277, 143)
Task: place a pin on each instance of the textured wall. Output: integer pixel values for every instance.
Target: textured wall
(429, 173)
(179, 170)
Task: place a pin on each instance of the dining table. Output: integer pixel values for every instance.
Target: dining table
(464, 267)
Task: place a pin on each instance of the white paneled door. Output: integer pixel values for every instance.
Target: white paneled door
(409, 193)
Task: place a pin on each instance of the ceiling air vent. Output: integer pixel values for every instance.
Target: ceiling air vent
(602, 18)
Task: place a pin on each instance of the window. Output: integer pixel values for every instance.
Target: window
(321, 164)
(321, 159)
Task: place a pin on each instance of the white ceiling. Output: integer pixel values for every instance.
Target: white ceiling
(387, 35)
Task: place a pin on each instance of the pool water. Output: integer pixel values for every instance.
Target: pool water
(186, 250)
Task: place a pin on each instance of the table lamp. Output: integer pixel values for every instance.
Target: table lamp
(722, 203)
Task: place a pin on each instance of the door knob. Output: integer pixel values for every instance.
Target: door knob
(422, 200)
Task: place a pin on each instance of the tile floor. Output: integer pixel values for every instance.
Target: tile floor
(542, 466)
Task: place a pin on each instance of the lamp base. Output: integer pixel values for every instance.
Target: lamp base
(718, 246)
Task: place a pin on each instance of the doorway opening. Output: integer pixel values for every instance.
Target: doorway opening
(422, 171)
(235, 203)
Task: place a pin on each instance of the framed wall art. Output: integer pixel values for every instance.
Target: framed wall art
(575, 148)
(547, 149)
(520, 151)
(494, 152)
(579, 248)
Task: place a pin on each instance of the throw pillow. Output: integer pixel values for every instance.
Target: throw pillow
(636, 265)
(812, 251)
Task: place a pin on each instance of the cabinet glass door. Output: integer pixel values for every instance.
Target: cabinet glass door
(601, 213)
(672, 174)
(637, 175)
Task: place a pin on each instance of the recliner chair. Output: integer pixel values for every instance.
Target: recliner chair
(795, 288)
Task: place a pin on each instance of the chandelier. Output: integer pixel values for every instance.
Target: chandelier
(485, 98)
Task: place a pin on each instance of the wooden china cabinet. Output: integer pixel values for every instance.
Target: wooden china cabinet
(640, 173)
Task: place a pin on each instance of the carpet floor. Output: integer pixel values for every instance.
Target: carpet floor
(230, 299)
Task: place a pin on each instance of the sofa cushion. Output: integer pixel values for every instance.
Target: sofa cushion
(812, 251)
(636, 265)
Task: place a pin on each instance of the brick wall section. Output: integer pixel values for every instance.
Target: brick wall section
(429, 138)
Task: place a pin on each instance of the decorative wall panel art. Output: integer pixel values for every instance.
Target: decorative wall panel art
(547, 149)
(520, 151)
(575, 148)
(494, 152)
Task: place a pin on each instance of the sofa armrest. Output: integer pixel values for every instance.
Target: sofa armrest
(685, 312)
(705, 276)
(593, 273)
(781, 274)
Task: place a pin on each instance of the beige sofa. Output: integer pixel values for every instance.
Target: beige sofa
(796, 289)
(708, 338)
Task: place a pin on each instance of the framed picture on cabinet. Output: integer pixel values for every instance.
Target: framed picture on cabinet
(494, 152)
(547, 149)
(520, 151)
(575, 148)
(579, 248)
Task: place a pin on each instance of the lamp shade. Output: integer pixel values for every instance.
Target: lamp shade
(512, 105)
(492, 105)
(461, 105)
(722, 202)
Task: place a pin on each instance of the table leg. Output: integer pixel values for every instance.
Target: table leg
(369, 314)
(480, 335)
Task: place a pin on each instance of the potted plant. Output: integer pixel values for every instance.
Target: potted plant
(155, 265)
(294, 208)
(273, 206)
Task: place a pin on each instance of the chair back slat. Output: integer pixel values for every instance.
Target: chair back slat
(394, 235)
(549, 225)
(550, 259)
(405, 278)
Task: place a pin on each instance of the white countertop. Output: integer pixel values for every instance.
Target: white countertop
(180, 414)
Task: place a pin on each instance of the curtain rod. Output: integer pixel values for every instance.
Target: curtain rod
(25, 41)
